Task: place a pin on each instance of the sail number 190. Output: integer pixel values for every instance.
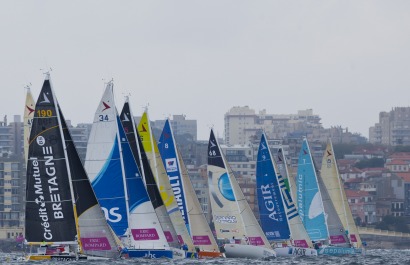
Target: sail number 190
(44, 113)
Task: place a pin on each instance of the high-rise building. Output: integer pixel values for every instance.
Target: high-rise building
(11, 137)
(11, 197)
(393, 128)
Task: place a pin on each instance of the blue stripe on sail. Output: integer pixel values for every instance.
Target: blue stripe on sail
(310, 205)
(272, 213)
(169, 157)
(137, 194)
(109, 189)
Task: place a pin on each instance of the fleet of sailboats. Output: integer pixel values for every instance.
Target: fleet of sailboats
(276, 206)
(133, 198)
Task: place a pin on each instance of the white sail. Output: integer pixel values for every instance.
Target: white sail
(231, 213)
(111, 168)
(28, 119)
(199, 225)
(333, 183)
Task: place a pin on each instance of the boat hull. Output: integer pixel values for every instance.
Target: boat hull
(295, 251)
(338, 251)
(150, 253)
(60, 257)
(210, 254)
(248, 251)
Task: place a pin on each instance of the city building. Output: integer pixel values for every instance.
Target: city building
(393, 128)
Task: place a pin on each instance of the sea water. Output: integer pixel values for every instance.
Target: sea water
(374, 256)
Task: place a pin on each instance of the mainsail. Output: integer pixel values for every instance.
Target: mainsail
(333, 183)
(117, 182)
(298, 231)
(161, 178)
(231, 213)
(143, 164)
(184, 192)
(60, 205)
(273, 215)
(28, 119)
(309, 199)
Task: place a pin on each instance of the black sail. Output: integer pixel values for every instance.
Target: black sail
(49, 209)
(214, 153)
(150, 183)
(83, 192)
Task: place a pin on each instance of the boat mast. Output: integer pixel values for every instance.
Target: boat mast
(134, 131)
(341, 192)
(67, 165)
(110, 83)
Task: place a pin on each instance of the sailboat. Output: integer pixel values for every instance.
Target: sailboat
(118, 185)
(185, 195)
(299, 235)
(161, 178)
(276, 206)
(232, 216)
(62, 213)
(138, 152)
(333, 184)
(316, 208)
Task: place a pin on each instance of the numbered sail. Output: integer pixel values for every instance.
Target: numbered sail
(157, 213)
(309, 199)
(28, 119)
(49, 205)
(271, 205)
(231, 213)
(334, 185)
(162, 180)
(184, 192)
(103, 164)
(298, 231)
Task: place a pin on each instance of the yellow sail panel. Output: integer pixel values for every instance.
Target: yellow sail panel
(28, 119)
(333, 183)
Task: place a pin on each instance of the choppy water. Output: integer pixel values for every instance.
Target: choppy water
(384, 256)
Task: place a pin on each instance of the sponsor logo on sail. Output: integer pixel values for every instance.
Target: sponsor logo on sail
(171, 165)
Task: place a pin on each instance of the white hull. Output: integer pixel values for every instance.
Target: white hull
(248, 251)
(295, 251)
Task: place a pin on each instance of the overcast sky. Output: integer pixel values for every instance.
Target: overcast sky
(346, 60)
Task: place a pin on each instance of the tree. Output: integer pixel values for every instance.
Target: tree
(372, 162)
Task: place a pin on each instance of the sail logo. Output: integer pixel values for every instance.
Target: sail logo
(225, 219)
(106, 106)
(111, 215)
(171, 164)
(328, 159)
(290, 207)
(177, 189)
(300, 194)
(40, 140)
(30, 110)
(269, 202)
(45, 99)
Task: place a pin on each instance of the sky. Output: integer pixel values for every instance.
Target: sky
(346, 60)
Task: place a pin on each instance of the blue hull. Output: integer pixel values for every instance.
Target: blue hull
(150, 254)
(338, 251)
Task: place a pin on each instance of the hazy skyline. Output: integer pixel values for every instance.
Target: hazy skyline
(346, 60)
